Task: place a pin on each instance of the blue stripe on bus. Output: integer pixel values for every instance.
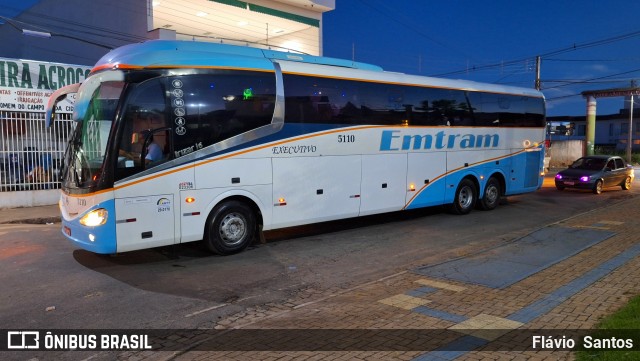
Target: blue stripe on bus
(104, 236)
(437, 192)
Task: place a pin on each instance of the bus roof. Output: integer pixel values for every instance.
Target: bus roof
(191, 54)
(177, 53)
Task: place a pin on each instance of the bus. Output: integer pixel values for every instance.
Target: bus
(179, 141)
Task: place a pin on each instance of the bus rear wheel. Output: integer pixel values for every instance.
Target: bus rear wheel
(230, 228)
(465, 198)
(491, 196)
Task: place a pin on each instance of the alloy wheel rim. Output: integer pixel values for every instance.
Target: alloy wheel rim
(465, 198)
(492, 194)
(233, 229)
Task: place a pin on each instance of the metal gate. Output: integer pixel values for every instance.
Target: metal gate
(31, 154)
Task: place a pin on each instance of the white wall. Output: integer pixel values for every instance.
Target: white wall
(29, 198)
(564, 152)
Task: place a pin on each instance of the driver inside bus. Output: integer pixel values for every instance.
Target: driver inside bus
(142, 124)
(154, 151)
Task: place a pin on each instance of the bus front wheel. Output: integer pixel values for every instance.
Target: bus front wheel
(230, 228)
(465, 198)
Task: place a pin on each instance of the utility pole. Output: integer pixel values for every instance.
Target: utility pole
(630, 135)
(537, 84)
(634, 86)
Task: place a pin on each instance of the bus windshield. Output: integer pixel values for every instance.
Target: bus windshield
(88, 145)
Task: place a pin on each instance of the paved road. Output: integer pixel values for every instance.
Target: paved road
(297, 276)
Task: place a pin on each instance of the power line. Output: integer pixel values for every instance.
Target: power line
(593, 60)
(104, 32)
(573, 47)
(566, 81)
(562, 97)
(11, 22)
(592, 79)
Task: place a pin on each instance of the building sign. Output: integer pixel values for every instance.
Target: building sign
(25, 86)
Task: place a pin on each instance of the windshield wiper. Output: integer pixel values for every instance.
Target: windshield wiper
(76, 177)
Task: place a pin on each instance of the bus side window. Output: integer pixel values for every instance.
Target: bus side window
(498, 110)
(216, 107)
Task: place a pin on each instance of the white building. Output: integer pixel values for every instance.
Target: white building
(611, 133)
(53, 34)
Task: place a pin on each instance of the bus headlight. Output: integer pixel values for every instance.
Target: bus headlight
(96, 217)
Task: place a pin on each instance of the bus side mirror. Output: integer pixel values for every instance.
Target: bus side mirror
(56, 97)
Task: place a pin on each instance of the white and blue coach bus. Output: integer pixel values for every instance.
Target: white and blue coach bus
(184, 141)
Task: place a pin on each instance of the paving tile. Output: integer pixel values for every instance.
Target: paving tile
(441, 285)
(571, 294)
(405, 302)
(486, 326)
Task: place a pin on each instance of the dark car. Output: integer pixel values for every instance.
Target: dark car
(596, 172)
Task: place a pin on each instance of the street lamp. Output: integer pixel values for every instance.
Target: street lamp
(38, 34)
(47, 35)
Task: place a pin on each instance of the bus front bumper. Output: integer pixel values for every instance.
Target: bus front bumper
(99, 239)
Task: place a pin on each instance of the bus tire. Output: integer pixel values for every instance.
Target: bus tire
(465, 198)
(230, 228)
(491, 197)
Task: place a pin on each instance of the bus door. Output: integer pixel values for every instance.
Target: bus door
(145, 203)
(146, 209)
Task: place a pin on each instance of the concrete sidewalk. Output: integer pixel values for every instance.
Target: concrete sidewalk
(30, 215)
(464, 320)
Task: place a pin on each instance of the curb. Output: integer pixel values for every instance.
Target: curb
(42, 220)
